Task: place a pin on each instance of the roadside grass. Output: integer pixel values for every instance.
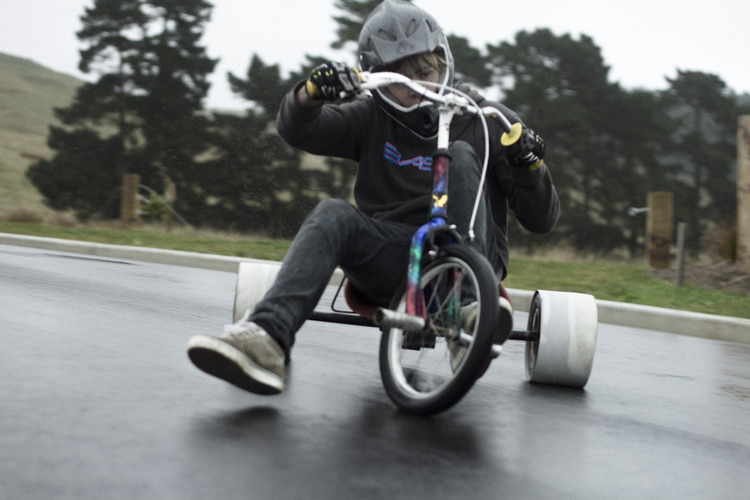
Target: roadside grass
(152, 237)
(623, 282)
(615, 281)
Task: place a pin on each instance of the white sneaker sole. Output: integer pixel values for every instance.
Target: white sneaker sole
(221, 360)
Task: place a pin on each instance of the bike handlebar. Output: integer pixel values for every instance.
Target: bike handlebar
(452, 102)
(374, 80)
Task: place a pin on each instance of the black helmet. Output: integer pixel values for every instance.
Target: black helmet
(393, 31)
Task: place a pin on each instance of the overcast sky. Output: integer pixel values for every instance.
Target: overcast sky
(642, 41)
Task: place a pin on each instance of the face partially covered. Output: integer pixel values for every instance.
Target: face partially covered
(420, 71)
(426, 68)
(408, 108)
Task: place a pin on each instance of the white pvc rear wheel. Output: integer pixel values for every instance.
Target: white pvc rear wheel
(567, 327)
(253, 281)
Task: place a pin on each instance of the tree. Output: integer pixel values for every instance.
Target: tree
(143, 113)
(560, 86)
(704, 113)
(640, 131)
(256, 182)
(471, 65)
(74, 179)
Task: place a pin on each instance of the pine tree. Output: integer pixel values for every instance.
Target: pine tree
(560, 86)
(141, 116)
(704, 113)
(256, 181)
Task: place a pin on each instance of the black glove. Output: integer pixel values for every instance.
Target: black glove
(524, 148)
(331, 81)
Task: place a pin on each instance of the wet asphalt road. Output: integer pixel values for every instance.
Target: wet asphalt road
(98, 400)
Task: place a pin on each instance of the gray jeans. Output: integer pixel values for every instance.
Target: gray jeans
(373, 254)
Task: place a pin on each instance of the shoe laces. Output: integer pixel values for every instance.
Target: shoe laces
(242, 327)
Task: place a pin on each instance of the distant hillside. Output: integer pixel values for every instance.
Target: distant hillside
(28, 94)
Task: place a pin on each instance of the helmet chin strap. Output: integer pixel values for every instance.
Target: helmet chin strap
(430, 128)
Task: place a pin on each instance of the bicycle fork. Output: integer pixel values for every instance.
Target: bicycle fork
(415, 317)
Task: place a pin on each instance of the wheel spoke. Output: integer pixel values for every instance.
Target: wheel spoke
(432, 378)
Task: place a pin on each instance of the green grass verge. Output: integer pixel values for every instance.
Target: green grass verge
(619, 282)
(622, 282)
(218, 244)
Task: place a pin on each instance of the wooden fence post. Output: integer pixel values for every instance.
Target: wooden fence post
(743, 193)
(659, 229)
(170, 195)
(129, 203)
(681, 230)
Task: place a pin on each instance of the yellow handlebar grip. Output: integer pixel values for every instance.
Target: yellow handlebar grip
(312, 89)
(508, 139)
(536, 165)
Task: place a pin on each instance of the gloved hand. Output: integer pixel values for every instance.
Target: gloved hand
(331, 81)
(524, 148)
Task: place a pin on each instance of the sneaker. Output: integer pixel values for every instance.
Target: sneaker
(244, 355)
(504, 325)
(503, 329)
(457, 353)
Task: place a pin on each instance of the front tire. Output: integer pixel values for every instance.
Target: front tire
(432, 374)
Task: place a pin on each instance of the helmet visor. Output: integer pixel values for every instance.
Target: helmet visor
(430, 69)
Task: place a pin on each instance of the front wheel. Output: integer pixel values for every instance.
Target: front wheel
(429, 371)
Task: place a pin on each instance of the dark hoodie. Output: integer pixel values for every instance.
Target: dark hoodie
(394, 176)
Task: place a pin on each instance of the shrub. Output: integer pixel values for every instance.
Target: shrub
(62, 219)
(24, 215)
(720, 242)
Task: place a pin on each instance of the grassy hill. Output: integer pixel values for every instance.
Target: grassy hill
(28, 94)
